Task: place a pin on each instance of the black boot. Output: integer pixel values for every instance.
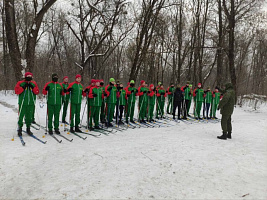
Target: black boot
(229, 135)
(223, 136)
(57, 131)
(72, 130)
(77, 129)
(120, 122)
(91, 128)
(19, 131)
(173, 117)
(50, 132)
(110, 125)
(29, 131)
(97, 127)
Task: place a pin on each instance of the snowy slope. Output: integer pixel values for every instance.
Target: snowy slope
(184, 161)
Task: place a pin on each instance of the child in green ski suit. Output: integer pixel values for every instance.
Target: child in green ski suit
(96, 97)
(111, 100)
(143, 101)
(216, 96)
(170, 91)
(27, 91)
(199, 98)
(208, 100)
(76, 94)
(54, 92)
(65, 98)
(131, 94)
(151, 102)
(187, 96)
(161, 95)
(122, 101)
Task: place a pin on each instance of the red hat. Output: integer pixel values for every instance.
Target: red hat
(151, 85)
(199, 84)
(28, 73)
(65, 77)
(101, 80)
(78, 76)
(142, 82)
(93, 81)
(97, 81)
(128, 83)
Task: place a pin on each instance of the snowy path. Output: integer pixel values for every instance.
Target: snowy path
(185, 161)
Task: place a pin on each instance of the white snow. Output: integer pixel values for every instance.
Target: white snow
(185, 161)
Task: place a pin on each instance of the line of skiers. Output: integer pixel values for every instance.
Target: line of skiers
(106, 103)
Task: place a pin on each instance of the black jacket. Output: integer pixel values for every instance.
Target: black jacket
(178, 95)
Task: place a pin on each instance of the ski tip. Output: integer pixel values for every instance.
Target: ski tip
(71, 140)
(45, 142)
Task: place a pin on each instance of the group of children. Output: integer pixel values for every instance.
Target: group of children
(110, 102)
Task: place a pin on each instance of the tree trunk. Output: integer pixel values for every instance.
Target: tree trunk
(219, 50)
(12, 38)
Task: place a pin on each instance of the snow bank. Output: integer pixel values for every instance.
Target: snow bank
(184, 161)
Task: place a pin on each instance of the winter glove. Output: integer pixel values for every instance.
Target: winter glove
(218, 108)
(25, 86)
(148, 92)
(132, 91)
(31, 86)
(47, 88)
(196, 91)
(110, 88)
(154, 89)
(70, 89)
(105, 94)
(162, 94)
(128, 95)
(94, 95)
(145, 92)
(86, 90)
(65, 90)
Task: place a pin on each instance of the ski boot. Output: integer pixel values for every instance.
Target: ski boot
(97, 127)
(19, 131)
(72, 130)
(77, 129)
(229, 135)
(57, 131)
(28, 130)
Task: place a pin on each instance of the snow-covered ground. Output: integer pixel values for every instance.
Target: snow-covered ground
(185, 161)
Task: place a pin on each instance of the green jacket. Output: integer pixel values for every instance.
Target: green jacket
(76, 93)
(122, 98)
(143, 98)
(216, 98)
(199, 95)
(227, 103)
(187, 93)
(29, 95)
(66, 96)
(208, 97)
(111, 94)
(131, 96)
(95, 101)
(54, 93)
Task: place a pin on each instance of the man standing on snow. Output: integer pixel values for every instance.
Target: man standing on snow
(216, 96)
(76, 93)
(65, 98)
(187, 96)
(27, 91)
(178, 99)
(151, 102)
(226, 106)
(55, 91)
